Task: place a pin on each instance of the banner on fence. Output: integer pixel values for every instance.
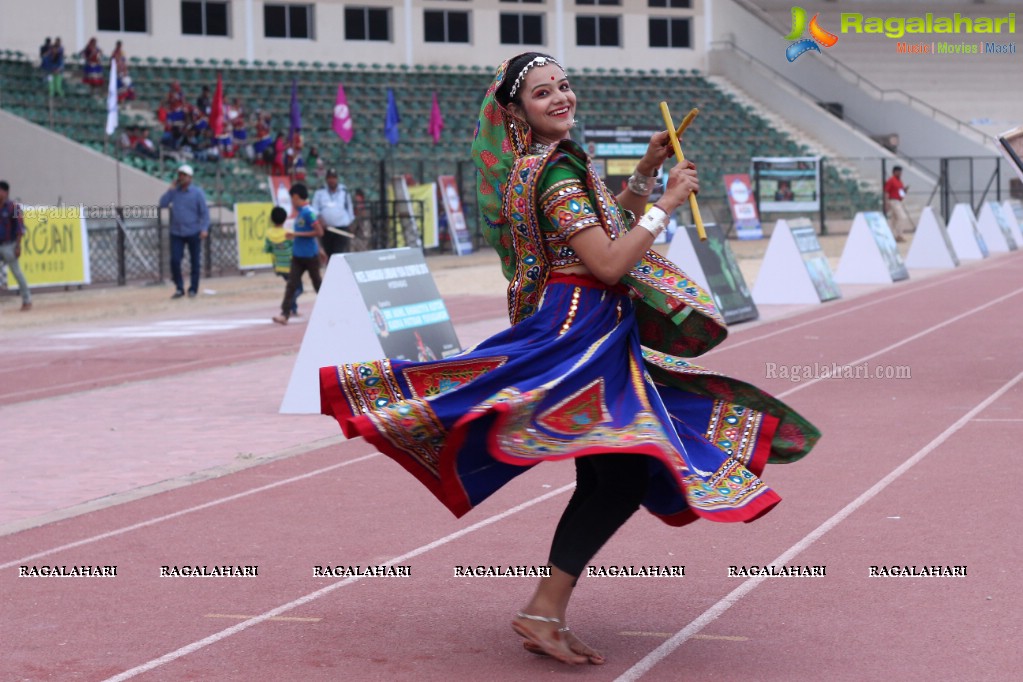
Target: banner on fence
(427, 193)
(452, 203)
(252, 220)
(55, 249)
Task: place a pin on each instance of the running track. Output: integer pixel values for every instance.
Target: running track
(912, 471)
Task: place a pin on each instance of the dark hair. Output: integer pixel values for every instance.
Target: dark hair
(278, 215)
(515, 67)
(4, 186)
(896, 168)
(299, 190)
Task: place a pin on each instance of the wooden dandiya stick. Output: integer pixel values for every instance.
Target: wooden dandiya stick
(680, 157)
(686, 121)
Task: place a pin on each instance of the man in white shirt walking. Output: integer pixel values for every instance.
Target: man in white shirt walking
(333, 205)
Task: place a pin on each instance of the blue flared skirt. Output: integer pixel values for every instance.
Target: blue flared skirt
(572, 380)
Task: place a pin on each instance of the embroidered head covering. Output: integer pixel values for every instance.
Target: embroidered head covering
(500, 139)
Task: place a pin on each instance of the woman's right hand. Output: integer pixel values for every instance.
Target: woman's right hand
(682, 181)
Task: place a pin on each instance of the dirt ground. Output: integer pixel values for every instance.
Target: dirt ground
(479, 274)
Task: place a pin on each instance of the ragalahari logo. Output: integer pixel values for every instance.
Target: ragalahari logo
(818, 36)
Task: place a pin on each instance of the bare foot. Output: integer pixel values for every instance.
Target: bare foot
(543, 632)
(574, 643)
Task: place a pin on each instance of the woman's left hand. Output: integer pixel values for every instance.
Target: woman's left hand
(657, 152)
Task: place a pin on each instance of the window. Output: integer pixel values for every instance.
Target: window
(603, 31)
(521, 29)
(598, 2)
(367, 23)
(203, 18)
(442, 26)
(674, 4)
(121, 15)
(670, 32)
(288, 21)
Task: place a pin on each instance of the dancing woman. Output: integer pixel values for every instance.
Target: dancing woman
(592, 367)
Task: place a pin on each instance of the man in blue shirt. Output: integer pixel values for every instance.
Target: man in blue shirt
(189, 224)
(305, 250)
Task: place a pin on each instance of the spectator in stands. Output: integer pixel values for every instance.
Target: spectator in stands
(894, 194)
(234, 110)
(279, 148)
(333, 205)
(126, 140)
(92, 68)
(305, 250)
(44, 49)
(262, 148)
(53, 67)
(202, 103)
(144, 146)
(189, 225)
(240, 138)
(314, 164)
(12, 229)
(125, 91)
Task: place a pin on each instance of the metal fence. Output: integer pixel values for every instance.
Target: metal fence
(123, 250)
(133, 249)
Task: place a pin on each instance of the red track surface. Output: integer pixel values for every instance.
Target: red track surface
(942, 443)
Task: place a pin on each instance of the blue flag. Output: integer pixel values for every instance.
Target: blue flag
(393, 119)
(296, 112)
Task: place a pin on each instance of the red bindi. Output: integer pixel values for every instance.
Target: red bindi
(552, 77)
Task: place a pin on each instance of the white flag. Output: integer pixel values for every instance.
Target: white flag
(112, 99)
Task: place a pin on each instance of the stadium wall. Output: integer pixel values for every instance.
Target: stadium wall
(924, 134)
(45, 168)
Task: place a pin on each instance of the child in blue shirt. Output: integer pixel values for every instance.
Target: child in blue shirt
(305, 250)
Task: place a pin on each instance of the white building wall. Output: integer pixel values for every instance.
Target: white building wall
(25, 25)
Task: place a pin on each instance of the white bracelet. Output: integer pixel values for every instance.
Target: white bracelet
(643, 185)
(654, 221)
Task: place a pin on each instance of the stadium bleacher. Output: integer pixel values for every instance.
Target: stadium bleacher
(726, 136)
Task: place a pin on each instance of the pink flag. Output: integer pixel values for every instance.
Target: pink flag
(342, 117)
(436, 120)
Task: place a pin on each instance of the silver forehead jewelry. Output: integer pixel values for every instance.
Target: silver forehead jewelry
(535, 61)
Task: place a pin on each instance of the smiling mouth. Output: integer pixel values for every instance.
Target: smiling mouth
(560, 112)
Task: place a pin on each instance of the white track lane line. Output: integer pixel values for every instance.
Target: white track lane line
(645, 664)
(938, 280)
(182, 512)
(312, 596)
(904, 341)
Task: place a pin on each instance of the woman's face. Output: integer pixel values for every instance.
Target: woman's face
(548, 103)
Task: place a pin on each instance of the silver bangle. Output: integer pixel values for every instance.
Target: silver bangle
(654, 221)
(643, 185)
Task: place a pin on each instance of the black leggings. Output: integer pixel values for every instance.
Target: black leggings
(608, 490)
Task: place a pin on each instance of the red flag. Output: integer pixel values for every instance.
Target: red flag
(342, 116)
(436, 120)
(217, 109)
